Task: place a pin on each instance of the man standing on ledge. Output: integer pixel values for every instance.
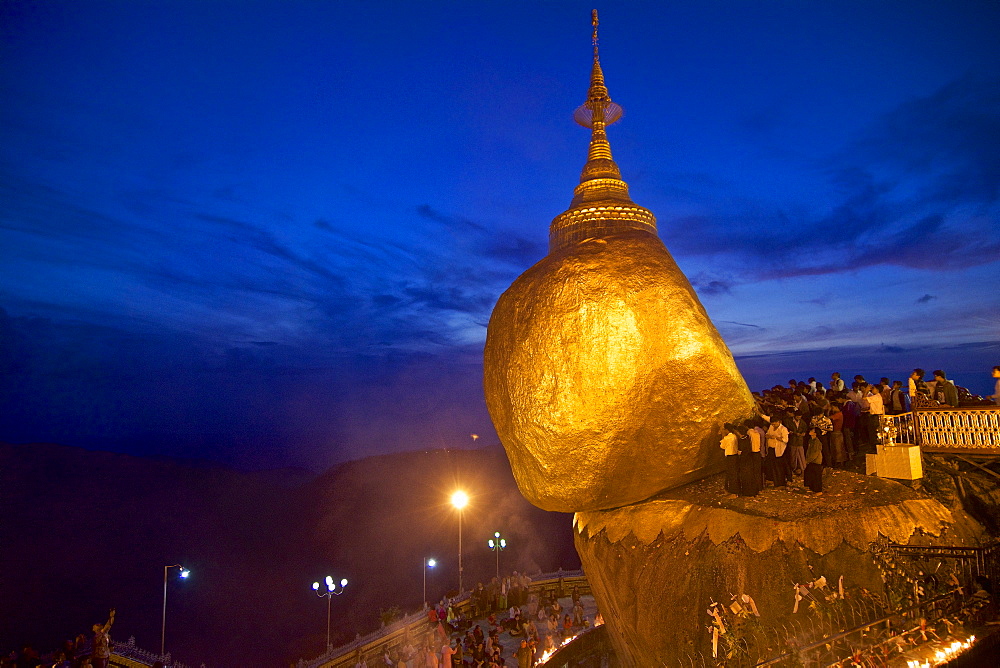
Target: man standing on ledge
(101, 654)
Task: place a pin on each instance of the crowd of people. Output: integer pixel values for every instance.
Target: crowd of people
(803, 428)
(533, 622)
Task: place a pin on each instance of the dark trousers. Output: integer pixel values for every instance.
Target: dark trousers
(861, 431)
(732, 474)
(873, 431)
(813, 477)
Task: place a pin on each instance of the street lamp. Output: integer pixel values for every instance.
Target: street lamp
(428, 563)
(460, 500)
(331, 591)
(497, 544)
(163, 629)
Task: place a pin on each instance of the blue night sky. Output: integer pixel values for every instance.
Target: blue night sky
(272, 233)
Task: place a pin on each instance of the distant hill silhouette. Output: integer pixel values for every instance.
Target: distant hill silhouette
(83, 531)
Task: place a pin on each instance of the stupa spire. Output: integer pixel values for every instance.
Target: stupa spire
(601, 205)
(597, 113)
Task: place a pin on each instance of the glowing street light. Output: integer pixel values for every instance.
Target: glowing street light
(460, 500)
(497, 544)
(428, 563)
(331, 591)
(184, 573)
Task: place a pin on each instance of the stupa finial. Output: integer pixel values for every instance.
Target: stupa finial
(595, 22)
(601, 203)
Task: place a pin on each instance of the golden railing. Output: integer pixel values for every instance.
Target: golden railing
(946, 429)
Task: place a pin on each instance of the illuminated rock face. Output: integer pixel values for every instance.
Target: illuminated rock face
(656, 567)
(605, 378)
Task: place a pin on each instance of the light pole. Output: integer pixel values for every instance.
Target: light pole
(460, 500)
(331, 591)
(428, 563)
(163, 629)
(497, 544)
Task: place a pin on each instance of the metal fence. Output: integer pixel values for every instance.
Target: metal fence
(959, 428)
(946, 429)
(413, 627)
(127, 655)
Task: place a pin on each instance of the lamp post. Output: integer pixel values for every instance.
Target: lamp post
(331, 591)
(497, 544)
(428, 563)
(163, 629)
(460, 500)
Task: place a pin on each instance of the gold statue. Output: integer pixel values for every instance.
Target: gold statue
(604, 376)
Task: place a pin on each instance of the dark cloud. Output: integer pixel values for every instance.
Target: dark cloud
(714, 288)
(452, 297)
(926, 298)
(919, 189)
(489, 243)
(952, 135)
(514, 249)
(712, 285)
(264, 241)
(426, 211)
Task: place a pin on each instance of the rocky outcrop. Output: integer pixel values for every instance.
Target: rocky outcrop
(656, 567)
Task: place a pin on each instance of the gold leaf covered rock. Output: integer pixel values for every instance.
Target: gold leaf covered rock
(605, 378)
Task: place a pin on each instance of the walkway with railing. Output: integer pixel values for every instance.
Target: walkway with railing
(395, 635)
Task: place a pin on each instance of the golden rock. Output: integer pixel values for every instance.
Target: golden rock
(605, 379)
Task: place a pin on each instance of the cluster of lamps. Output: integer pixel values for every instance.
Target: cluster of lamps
(329, 591)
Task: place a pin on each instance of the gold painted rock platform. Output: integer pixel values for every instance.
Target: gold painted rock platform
(656, 566)
(606, 381)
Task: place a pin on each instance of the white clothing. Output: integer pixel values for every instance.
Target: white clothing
(777, 438)
(730, 444)
(875, 404)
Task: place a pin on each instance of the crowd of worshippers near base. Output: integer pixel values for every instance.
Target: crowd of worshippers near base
(806, 427)
(531, 623)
